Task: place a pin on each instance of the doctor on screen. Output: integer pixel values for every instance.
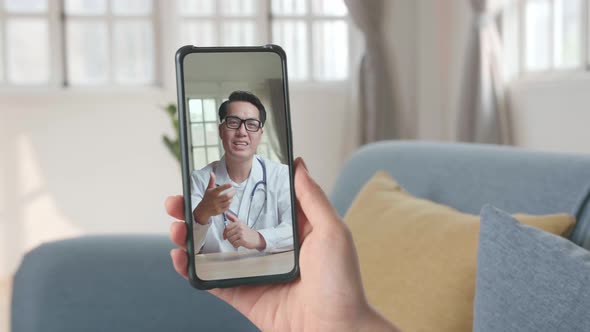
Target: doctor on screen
(241, 202)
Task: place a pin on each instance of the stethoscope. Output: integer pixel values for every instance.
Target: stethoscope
(256, 186)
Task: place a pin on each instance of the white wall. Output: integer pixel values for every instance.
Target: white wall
(82, 164)
(552, 114)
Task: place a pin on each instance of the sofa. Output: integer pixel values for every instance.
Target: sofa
(127, 283)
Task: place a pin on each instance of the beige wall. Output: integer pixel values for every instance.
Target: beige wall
(552, 114)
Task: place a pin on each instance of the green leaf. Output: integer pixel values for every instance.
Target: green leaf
(173, 144)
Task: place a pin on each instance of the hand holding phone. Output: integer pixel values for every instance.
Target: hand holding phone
(329, 296)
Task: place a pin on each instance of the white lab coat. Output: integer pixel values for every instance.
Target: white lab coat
(275, 220)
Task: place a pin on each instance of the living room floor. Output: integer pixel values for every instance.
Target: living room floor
(5, 286)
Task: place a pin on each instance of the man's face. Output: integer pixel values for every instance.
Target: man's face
(240, 144)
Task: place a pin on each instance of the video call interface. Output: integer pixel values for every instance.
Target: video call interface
(240, 180)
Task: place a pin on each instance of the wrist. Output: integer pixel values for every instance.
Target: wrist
(261, 242)
(200, 216)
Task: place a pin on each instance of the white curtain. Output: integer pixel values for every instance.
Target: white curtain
(380, 118)
(483, 116)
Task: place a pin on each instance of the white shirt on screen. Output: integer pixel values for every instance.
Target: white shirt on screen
(273, 219)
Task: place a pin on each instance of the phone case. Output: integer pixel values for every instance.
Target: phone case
(186, 172)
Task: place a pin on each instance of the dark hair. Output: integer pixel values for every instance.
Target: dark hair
(242, 96)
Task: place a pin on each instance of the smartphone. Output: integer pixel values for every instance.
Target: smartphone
(237, 165)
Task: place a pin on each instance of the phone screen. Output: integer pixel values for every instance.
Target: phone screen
(238, 165)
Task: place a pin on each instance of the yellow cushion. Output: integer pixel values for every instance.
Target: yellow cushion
(418, 258)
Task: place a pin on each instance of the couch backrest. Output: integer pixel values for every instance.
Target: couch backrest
(113, 283)
(467, 176)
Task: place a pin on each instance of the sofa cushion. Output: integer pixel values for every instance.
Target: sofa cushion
(528, 279)
(418, 258)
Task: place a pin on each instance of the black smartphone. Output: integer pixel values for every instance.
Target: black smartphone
(237, 165)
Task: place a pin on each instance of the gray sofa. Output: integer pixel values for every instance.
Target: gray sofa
(126, 283)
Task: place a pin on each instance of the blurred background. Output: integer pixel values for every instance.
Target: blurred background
(84, 85)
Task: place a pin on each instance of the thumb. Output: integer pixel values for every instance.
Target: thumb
(313, 201)
(211, 184)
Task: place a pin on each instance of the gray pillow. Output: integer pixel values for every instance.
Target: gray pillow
(528, 279)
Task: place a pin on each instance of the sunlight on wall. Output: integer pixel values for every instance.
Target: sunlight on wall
(33, 218)
(43, 223)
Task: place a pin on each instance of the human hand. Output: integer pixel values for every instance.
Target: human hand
(241, 235)
(213, 202)
(328, 296)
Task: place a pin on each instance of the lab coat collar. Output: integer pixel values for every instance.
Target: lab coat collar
(256, 174)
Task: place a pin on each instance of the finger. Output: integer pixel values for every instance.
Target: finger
(178, 234)
(175, 206)
(312, 199)
(234, 219)
(233, 239)
(225, 234)
(303, 225)
(225, 201)
(220, 188)
(180, 262)
(227, 196)
(232, 231)
(211, 184)
(225, 205)
(232, 226)
(300, 161)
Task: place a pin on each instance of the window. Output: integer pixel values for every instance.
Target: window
(315, 37)
(222, 22)
(314, 34)
(115, 42)
(109, 42)
(24, 42)
(77, 42)
(204, 133)
(546, 35)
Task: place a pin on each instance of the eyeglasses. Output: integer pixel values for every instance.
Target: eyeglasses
(233, 122)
